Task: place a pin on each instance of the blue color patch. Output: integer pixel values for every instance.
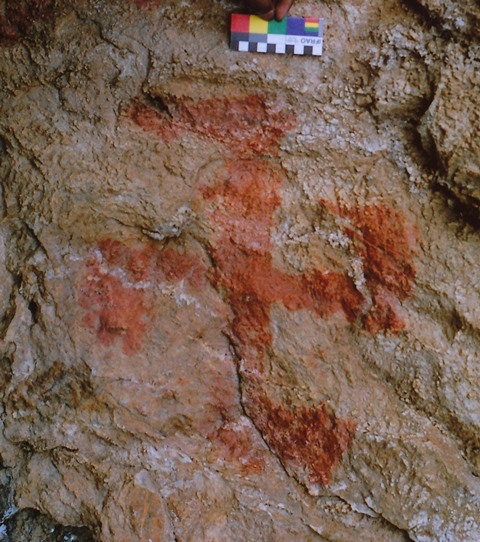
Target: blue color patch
(296, 27)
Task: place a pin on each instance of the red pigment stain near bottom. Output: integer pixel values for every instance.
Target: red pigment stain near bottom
(117, 289)
(310, 438)
(19, 16)
(235, 442)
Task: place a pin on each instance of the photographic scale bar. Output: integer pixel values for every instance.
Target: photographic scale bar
(292, 35)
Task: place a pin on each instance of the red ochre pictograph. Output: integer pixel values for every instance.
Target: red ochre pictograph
(115, 292)
(235, 442)
(313, 439)
(240, 206)
(246, 125)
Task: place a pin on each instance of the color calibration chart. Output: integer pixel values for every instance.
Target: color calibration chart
(292, 35)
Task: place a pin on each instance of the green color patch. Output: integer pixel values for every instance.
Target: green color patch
(277, 27)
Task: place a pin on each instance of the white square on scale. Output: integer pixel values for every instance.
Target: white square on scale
(275, 38)
(261, 47)
(243, 46)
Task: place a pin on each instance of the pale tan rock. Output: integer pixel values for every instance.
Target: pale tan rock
(450, 128)
(454, 16)
(234, 307)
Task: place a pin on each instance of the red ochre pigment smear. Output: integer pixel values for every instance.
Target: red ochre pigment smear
(235, 442)
(244, 206)
(241, 204)
(19, 16)
(116, 291)
(254, 284)
(247, 124)
(312, 439)
(149, 263)
(387, 247)
(115, 311)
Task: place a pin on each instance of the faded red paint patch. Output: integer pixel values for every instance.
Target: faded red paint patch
(387, 246)
(117, 289)
(235, 442)
(19, 16)
(386, 313)
(245, 124)
(254, 284)
(310, 438)
(151, 120)
(148, 262)
(115, 311)
(245, 200)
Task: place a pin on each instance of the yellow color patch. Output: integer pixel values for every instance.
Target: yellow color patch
(257, 25)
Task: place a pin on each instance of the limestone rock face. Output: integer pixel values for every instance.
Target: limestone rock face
(451, 16)
(239, 293)
(450, 128)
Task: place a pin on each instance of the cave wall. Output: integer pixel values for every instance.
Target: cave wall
(239, 293)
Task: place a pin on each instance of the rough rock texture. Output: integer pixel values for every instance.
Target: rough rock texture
(239, 293)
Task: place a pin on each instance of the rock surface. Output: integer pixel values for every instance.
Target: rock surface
(239, 293)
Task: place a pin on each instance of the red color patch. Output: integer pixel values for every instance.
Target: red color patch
(19, 16)
(385, 313)
(235, 442)
(116, 293)
(151, 120)
(148, 262)
(245, 198)
(245, 124)
(253, 284)
(115, 311)
(243, 202)
(310, 438)
(387, 248)
(240, 23)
